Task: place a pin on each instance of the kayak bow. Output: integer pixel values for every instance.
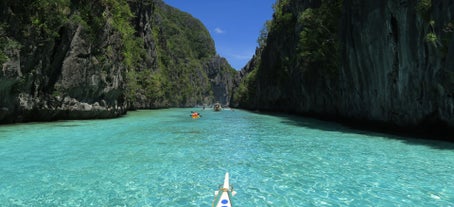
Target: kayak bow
(223, 195)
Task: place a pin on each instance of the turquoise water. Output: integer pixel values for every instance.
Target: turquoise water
(165, 158)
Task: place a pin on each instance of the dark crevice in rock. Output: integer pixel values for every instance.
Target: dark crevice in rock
(395, 30)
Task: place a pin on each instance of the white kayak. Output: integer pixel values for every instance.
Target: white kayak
(222, 197)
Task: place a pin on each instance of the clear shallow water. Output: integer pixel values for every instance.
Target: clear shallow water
(165, 158)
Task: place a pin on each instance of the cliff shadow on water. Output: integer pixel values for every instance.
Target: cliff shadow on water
(433, 137)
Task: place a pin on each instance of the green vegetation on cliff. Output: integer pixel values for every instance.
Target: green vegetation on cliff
(297, 44)
(318, 44)
(125, 53)
(183, 46)
(245, 93)
(387, 63)
(177, 77)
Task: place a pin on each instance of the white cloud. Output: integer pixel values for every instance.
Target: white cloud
(219, 30)
(242, 57)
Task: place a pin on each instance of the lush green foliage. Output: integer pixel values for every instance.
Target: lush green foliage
(119, 15)
(38, 19)
(3, 43)
(170, 73)
(50, 15)
(245, 92)
(43, 18)
(7, 45)
(184, 45)
(297, 44)
(151, 85)
(263, 36)
(423, 7)
(318, 45)
(431, 38)
(282, 17)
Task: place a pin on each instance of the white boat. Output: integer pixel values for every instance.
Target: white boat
(217, 107)
(222, 197)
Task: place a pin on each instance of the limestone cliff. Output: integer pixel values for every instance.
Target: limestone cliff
(85, 59)
(383, 62)
(181, 60)
(54, 68)
(222, 79)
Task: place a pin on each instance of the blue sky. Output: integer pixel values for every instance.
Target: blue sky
(233, 24)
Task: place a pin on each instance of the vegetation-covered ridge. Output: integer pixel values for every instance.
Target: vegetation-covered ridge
(92, 59)
(295, 44)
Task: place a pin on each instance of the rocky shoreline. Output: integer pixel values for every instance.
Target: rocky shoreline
(58, 108)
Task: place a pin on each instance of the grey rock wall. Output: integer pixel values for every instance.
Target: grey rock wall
(61, 78)
(221, 78)
(81, 73)
(389, 73)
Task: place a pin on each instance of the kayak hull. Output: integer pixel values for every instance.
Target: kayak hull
(223, 196)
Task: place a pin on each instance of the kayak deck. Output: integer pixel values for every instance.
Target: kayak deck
(223, 196)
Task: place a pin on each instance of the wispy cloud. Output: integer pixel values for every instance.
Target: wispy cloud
(242, 56)
(219, 30)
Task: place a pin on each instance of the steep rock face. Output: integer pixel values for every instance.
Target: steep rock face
(222, 79)
(181, 60)
(53, 76)
(395, 64)
(396, 74)
(95, 59)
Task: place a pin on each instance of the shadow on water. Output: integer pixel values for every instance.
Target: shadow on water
(67, 125)
(444, 142)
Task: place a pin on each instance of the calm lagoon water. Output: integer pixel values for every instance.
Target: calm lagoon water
(165, 158)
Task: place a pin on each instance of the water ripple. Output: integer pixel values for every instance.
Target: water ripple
(164, 158)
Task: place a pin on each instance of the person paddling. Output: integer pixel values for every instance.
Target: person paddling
(195, 114)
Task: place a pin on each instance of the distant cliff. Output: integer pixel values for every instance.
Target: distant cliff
(383, 62)
(179, 53)
(96, 59)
